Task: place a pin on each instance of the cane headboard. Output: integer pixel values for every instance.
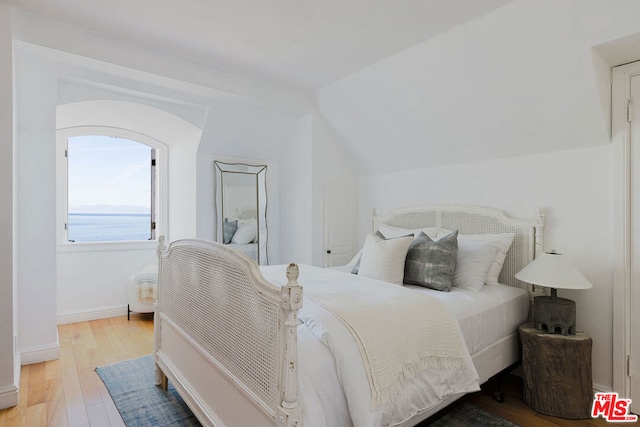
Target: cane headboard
(527, 243)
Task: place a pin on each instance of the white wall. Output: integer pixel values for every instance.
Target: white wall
(523, 79)
(92, 283)
(296, 201)
(47, 78)
(92, 278)
(489, 99)
(9, 360)
(574, 187)
(36, 93)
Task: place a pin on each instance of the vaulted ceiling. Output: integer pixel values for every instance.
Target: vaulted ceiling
(305, 43)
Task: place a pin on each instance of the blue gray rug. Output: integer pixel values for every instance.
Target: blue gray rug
(139, 401)
(464, 414)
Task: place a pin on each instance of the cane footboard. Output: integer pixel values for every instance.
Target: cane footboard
(225, 337)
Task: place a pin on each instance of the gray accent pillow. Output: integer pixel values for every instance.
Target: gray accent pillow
(230, 228)
(432, 263)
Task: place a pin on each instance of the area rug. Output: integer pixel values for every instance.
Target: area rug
(464, 414)
(139, 401)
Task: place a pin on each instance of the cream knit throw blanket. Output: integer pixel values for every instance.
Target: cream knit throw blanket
(400, 332)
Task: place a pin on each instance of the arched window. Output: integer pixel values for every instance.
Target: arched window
(109, 185)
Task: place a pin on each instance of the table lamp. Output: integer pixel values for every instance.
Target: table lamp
(553, 270)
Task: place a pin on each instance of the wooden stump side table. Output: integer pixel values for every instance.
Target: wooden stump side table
(557, 372)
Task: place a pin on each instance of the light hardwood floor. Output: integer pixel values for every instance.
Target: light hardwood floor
(68, 392)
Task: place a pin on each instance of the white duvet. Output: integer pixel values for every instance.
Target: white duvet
(334, 387)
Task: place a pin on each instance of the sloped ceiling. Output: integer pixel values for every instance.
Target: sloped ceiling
(523, 79)
(305, 43)
(404, 85)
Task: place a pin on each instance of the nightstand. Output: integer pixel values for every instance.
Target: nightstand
(557, 372)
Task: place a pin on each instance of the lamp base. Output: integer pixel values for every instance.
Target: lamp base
(554, 313)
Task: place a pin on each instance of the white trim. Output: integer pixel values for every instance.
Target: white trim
(75, 316)
(8, 396)
(121, 245)
(40, 353)
(620, 131)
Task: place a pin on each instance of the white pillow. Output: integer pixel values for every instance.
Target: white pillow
(502, 242)
(383, 259)
(355, 259)
(246, 233)
(391, 232)
(444, 232)
(474, 261)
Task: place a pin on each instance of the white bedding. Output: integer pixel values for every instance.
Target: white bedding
(484, 316)
(334, 389)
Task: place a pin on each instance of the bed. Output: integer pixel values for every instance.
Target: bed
(243, 347)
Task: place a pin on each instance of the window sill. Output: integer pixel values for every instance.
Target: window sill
(133, 245)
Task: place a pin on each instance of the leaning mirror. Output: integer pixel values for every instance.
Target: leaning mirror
(241, 208)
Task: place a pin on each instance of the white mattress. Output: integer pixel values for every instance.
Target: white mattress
(485, 316)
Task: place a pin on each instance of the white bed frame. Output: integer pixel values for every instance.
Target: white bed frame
(227, 339)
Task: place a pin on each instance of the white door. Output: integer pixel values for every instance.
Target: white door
(634, 311)
(339, 223)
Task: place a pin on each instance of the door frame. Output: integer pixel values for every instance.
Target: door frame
(621, 138)
(325, 215)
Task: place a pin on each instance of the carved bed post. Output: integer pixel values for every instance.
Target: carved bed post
(289, 412)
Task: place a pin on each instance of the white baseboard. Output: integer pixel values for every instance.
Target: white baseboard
(8, 396)
(39, 354)
(91, 314)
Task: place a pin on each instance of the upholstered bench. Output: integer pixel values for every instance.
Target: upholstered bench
(142, 291)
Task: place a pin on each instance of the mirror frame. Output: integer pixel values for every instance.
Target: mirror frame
(260, 172)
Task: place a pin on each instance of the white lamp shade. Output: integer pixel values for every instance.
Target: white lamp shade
(553, 271)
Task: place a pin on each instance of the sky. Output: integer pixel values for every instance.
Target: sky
(105, 170)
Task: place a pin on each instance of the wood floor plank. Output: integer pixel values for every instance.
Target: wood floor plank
(37, 392)
(56, 404)
(89, 386)
(98, 416)
(52, 369)
(115, 419)
(37, 415)
(76, 409)
(18, 421)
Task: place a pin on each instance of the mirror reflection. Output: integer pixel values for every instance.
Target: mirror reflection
(241, 208)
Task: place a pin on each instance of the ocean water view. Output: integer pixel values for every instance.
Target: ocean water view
(105, 227)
